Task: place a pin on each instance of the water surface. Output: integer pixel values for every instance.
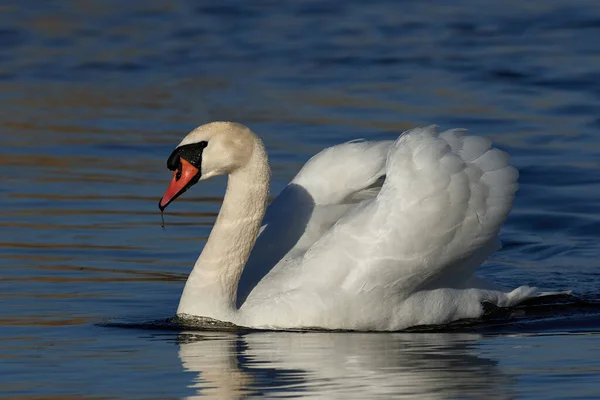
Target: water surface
(94, 95)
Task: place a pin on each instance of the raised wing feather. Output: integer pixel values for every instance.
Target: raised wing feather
(345, 173)
(443, 201)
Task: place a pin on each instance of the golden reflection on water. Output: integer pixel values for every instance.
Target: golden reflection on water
(45, 320)
(55, 397)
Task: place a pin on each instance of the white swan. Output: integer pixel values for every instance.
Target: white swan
(368, 236)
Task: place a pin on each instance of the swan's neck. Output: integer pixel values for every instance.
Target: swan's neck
(211, 288)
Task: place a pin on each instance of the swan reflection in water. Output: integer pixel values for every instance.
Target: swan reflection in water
(340, 365)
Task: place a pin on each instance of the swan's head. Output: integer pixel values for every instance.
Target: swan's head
(213, 149)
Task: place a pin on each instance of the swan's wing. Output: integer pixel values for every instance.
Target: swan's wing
(443, 201)
(326, 188)
(345, 173)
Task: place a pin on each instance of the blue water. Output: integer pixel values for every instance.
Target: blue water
(94, 95)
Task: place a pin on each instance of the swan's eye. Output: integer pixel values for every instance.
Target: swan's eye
(203, 144)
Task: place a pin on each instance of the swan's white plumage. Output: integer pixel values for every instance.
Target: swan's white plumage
(337, 174)
(380, 235)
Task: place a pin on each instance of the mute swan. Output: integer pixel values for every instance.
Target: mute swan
(368, 235)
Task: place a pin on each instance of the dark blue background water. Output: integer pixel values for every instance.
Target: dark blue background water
(95, 94)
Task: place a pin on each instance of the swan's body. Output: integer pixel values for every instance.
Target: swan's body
(368, 235)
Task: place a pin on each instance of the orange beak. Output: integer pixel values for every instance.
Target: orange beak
(183, 178)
